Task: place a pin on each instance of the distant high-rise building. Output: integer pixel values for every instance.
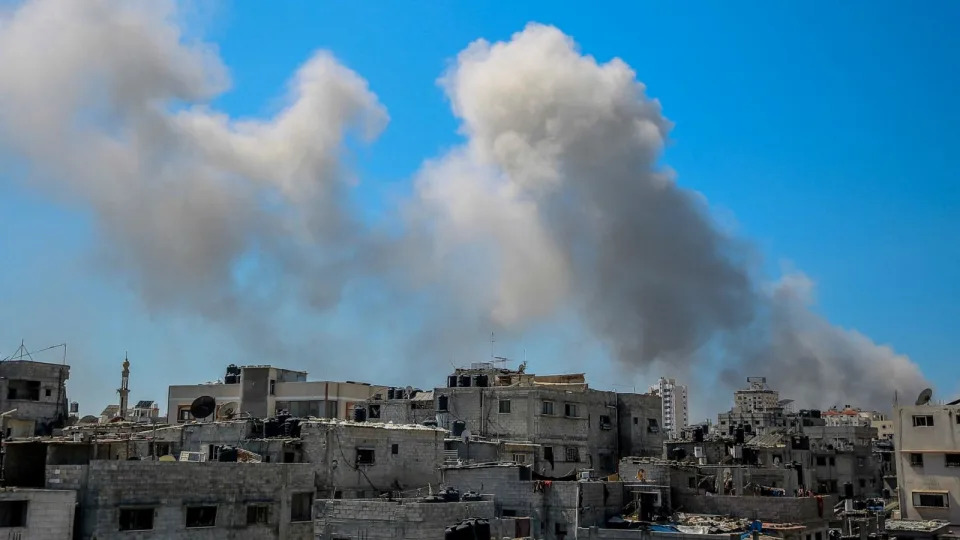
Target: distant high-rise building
(674, 405)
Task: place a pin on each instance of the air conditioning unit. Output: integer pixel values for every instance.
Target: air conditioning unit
(698, 452)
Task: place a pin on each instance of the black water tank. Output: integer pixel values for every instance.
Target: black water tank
(391, 393)
(442, 403)
(848, 490)
(482, 381)
(359, 414)
(697, 434)
(291, 427)
(739, 436)
(228, 454)
(452, 381)
(458, 427)
(464, 381)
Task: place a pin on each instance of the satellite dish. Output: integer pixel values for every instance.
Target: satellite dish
(203, 407)
(228, 410)
(924, 396)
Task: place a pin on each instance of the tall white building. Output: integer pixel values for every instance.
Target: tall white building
(674, 405)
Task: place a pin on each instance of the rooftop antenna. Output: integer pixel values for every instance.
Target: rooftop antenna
(493, 341)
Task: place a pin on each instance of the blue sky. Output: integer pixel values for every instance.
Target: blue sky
(826, 133)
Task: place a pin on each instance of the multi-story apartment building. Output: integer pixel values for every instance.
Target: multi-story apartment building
(757, 409)
(574, 426)
(927, 442)
(674, 405)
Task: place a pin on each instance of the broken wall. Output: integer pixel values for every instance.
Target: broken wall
(391, 520)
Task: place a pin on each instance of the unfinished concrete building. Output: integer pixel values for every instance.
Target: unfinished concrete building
(33, 397)
(574, 426)
(266, 391)
(411, 518)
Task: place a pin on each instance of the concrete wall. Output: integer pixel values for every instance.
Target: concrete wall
(800, 510)
(596, 533)
(390, 520)
(49, 513)
(105, 487)
(637, 437)
(45, 409)
(332, 449)
(932, 443)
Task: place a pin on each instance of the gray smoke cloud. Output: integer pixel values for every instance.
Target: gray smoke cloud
(556, 202)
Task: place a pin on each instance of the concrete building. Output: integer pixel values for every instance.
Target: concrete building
(850, 416)
(927, 441)
(575, 427)
(263, 391)
(36, 514)
(156, 500)
(33, 397)
(674, 405)
(401, 406)
(757, 408)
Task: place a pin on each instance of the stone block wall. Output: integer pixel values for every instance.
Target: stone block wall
(801, 510)
(393, 520)
(105, 487)
(49, 513)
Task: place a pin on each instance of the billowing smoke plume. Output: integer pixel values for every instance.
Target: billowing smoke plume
(556, 203)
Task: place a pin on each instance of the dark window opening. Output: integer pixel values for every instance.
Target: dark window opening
(570, 410)
(509, 513)
(136, 519)
(504, 406)
(605, 422)
(47, 392)
(916, 460)
(258, 514)
(692, 482)
(547, 407)
(652, 425)
(374, 411)
(833, 461)
(951, 460)
(818, 536)
(13, 513)
(364, 456)
(636, 420)
(863, 483)
(201, 516)
(922, 420)
(394, 448)
(936, 500)
(273, 387)
(289, 457)
(301, 506)
(548, 453)
(24, 390)
(573, 454)
(822, 461)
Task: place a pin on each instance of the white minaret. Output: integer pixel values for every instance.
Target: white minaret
(124, 390)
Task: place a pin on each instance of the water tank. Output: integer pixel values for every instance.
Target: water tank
(458, 427)
(464, 381)
(481, 381)
(848, 490)
(442, 403)
(359, 414)
(452, 381)
(271, 428)
(739, 436)
(233, 375)
(291, 427)
(697, 435)
(391, 393)
(227, 454)
(74, 407)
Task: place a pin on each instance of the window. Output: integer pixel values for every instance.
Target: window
(394, 448)
(936, 500)
(570, 410)
(136, 519)
(301, 507)
(833, 461)
(374, 411)
(604, 422)
(692, 482)
(509, 513)
(863, 483)
(916, 460)
(818, 536)
(47, 392)
(273, 387)
(201, 516)
(258, 514)
(573, 453)
(560, 529)
(548, 453)
(636, 420)
(547, 407)
(24, 390)
(13, 513)
(922, 420)
(183, 414)
(504, 406)
(951, 460)
(519, 458)
(364, 456)
(821, 461)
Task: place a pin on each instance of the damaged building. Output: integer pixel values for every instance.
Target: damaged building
(33, 397)
(557, 424)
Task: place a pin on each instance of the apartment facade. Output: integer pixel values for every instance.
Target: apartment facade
(674, 405)
(927, 442)
(33, 397)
